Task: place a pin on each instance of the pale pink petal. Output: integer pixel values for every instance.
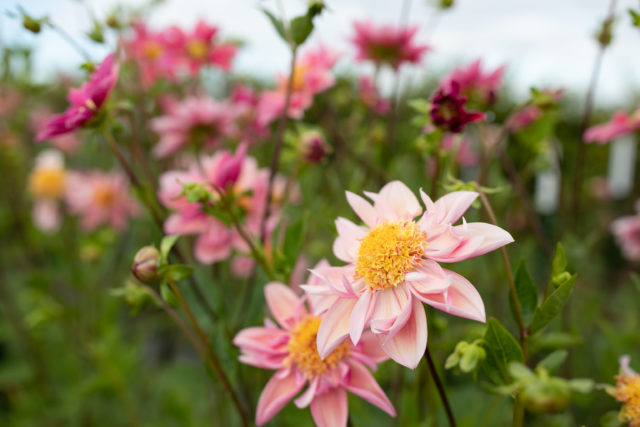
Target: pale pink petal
(330, 409)
(283, 303)
(625, 366)
(492, 238)
(427, 278)
(456, 204)
(397, 202)
(370, 347)
(362, 383)
(276, 394)
(461, 299)
(363, 209)
(334, 327)
(389, 305)
(409, 344)
(305, 398)
(361, 314)
(346, 245)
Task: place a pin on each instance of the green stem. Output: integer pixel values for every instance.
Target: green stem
(518, 413)
(440, 387)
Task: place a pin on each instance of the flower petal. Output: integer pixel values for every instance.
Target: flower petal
(397, 202)
(276, 394)
(330, 409)
(361, 315)
(363, 209)
(408, 345)
(455, 204)
(334, 327)
(362, 383)
(461, 299)
(346, 245)
(283, 303)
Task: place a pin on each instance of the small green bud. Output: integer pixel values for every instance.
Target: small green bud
(31, 24)
(445, 4)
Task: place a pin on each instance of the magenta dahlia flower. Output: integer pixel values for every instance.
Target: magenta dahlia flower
(85, 101)
(475, 83)
(393, 267)
(448, 109)
(620, 124)
(289, 347)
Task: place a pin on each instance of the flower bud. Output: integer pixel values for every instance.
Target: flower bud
(313, 146)
(466, 356)
(145, 264)
(31, 24)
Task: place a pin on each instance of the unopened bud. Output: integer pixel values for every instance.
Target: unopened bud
(445, 4)
(112, 21)
(31, 24)
(145, 264)
(314, 148)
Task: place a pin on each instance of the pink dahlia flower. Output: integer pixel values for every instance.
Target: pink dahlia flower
(448, 109)
(475, 83)
(627, 391)
(311, 76)
(85, 101)
(198, 121)
(101, 198)
(248, 126)
(47, 185)
(393, 267)
(620, 124)
(627, 233)
(289, 347)
(387, 45)
(201, 47)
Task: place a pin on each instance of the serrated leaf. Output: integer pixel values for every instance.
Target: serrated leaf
(552, 306)
(501, 348)
(166, 244)
(277, 24)
(300, 28)
(527, 293)
(553, 361)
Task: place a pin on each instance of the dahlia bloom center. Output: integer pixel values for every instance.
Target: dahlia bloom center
(303, 350)
(628, 392)
(49, 182)
(197, 49)
(104, 196)
(298, 77)
(152, 50)
(388, 252)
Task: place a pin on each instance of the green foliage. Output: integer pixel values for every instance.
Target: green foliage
(552, 306)
(501, 349)
(527, 293)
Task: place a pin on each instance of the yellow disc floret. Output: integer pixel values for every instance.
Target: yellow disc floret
(628, 392)
(303, 352)
(47, 182)
(388, 252)
(197, 49)
(104, 195)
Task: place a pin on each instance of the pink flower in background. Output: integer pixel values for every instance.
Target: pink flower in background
(387, 45)
(311, 76)
(85, 101)
(620, 124)
(246, 102)
(197, 121)
(475, 83)
(69, 143)
(448, 109)
(236, 173)
(461, 148)
(201, 47)
(47, 185)
(393, 268)
(370, 96)
(626, 230)
(521, 119)
(627, 391)
(101, 198)
(289, 347)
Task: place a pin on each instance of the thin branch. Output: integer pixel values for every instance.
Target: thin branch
(440, 387)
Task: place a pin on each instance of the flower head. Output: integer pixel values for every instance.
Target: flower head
(289, 347)
(387, 45)
(620, 124)
(448, 110)
(101, 198)
(627, 391)
(47, 184)
(85, 101)
(393, 267)
(201, 47)
(476, 84)
(626, 230)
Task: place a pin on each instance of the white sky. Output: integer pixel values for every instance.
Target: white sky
(543, 42)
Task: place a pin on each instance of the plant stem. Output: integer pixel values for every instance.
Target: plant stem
(518, 413)
(507, 266)
(277, 146)
(440, 387)
(212, 356)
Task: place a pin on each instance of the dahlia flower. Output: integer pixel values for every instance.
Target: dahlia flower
(393, 267)
(475, 83)
(69, 143)
(246, 101)
(200, 48)
(627, 391)
(620, 124)
(311, 76)
(47, 184)
(448, 110)
(198, 121)
(387, 45)
(85, 101)
(101, 198)
(626, 230)
(289, 347)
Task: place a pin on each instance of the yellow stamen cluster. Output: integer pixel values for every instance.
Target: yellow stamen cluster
(47, 182)
(628, 392)
(298, 77)
(104, 196)
(388, 252)
(303, 352)
(152, 50)
(197, 49)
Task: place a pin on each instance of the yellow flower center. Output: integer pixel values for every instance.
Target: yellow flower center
(152, 50)
(104, 196)
(388, 252)
(628, 392)
(298, 76)
(47, 182)
(303, 351)
(197, 49)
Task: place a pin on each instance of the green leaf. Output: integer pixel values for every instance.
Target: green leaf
(559, 263)
(293, 240)
(553, 361)
(635, 17)
(177, 272)
(554, 341)
(277, 24)
(520, 371)
(527, 293)
(167, 295)
(502, 348)
(166, 244)
(581, 385)
(552, 306)
(300, 27)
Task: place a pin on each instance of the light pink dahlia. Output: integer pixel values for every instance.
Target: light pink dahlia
(620, 124)
(626, 230)
(289, 347)
(393, 267)
(475, 83)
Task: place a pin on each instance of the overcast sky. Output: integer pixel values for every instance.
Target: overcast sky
(543, 42)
